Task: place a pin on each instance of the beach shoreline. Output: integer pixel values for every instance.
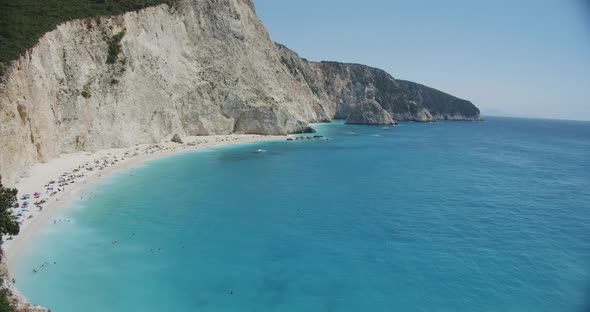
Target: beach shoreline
(102, 163)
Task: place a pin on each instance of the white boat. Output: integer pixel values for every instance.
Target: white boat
(260, 150)
(385, 128)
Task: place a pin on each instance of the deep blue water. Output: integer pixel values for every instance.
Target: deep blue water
(450, 216)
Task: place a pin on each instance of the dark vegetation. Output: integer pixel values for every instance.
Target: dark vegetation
(7, 226)
(114, 43)
(5, 305)
(23, 22)
(87, 91)
(7, 200)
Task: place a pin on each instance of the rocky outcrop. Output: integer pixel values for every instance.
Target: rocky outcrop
(369, 112)
(201, 67)
(176, 139)
(268, 120)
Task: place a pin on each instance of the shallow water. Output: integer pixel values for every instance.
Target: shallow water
(450, 216)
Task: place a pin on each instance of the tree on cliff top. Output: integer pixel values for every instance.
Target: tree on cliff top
(7, 199)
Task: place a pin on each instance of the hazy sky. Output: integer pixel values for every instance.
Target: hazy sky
(513, 57)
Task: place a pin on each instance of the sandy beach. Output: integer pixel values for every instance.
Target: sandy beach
(50, 185)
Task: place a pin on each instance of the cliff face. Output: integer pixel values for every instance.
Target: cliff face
(203, 67)
(342, 88)
(369, 112)
(350, 84)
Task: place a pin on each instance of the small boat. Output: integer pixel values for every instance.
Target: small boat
(385, 128)
(260, 150)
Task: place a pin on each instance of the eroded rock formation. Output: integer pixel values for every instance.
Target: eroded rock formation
(369, 112)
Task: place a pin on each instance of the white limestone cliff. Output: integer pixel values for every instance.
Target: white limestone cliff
(201, 67)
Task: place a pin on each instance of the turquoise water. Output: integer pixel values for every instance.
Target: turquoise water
(450, 216)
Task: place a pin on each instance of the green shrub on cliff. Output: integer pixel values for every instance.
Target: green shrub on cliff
(114, 43)
(23, 22)
(7, 226)
(5, 305)
(7, 199)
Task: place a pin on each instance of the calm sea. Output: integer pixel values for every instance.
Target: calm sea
(449, 216)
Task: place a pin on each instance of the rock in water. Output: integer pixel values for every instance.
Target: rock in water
(176, 139)
(369, 112)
